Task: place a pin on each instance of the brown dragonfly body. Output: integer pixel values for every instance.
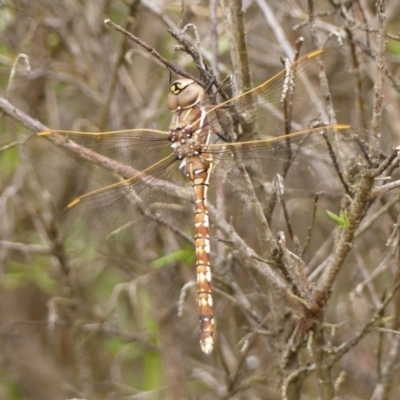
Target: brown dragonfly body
(282, 144)
(190, 136)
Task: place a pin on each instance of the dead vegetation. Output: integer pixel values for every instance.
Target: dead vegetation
(306, 307)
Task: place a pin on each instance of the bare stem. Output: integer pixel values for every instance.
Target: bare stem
(152, 51)
(379, 76)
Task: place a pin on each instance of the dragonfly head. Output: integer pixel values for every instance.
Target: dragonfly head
(184, 93)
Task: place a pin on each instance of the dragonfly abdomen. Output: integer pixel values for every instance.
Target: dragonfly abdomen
(199, 179)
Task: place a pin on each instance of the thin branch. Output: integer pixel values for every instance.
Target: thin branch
(311, 22)
(346, 346)
(20, 58)
(249, 256)
(152, 51)
(25, 248)
(238, 45)
(21, 117)
(343, 245)
(376, 122)
(383, 189)
(276, 28)
(214, 37)
(123, 48)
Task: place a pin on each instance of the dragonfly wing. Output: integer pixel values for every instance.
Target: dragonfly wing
(324, 159)
(63, 156)
(133, 208)
(292, 100)
(139, 148)
(299, 175)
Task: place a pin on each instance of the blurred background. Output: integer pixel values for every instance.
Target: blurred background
(119, 320)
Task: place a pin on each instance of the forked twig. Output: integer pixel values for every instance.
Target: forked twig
(152, 51)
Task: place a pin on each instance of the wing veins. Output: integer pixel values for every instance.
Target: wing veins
(138, 177)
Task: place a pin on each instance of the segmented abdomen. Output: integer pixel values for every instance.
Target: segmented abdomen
(199, 172)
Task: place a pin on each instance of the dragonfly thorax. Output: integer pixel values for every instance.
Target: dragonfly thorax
(188, 133)
(186, 143)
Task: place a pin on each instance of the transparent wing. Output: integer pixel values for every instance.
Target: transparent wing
(294, 179)
(320, 159)
(139, 148)
(325, 159)
(70, 164)
(133, 208)
(290, 101)
(73, 163)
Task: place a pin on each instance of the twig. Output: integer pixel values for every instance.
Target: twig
(367, 50)
(194, 52)
(277, 29)
(249, 256)
(9, 146)
(160, 13)
(152, 51)
(343, 245)
(311, 22)
(379, 81)
(299, 372)
(21, 57)
(374, 217)
(21, 117)
(25, 248)
(346, 346)
(123, 48)
(214, 37)
(238, 45)
(294, 266)
(311, 225)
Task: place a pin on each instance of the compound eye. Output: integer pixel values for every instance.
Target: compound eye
(184, 93)
(177, 87)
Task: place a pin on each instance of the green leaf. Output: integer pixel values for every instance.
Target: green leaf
(342, 220)
(185, 255)
(383, 321)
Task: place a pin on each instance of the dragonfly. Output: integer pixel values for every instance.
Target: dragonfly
(267, 132)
